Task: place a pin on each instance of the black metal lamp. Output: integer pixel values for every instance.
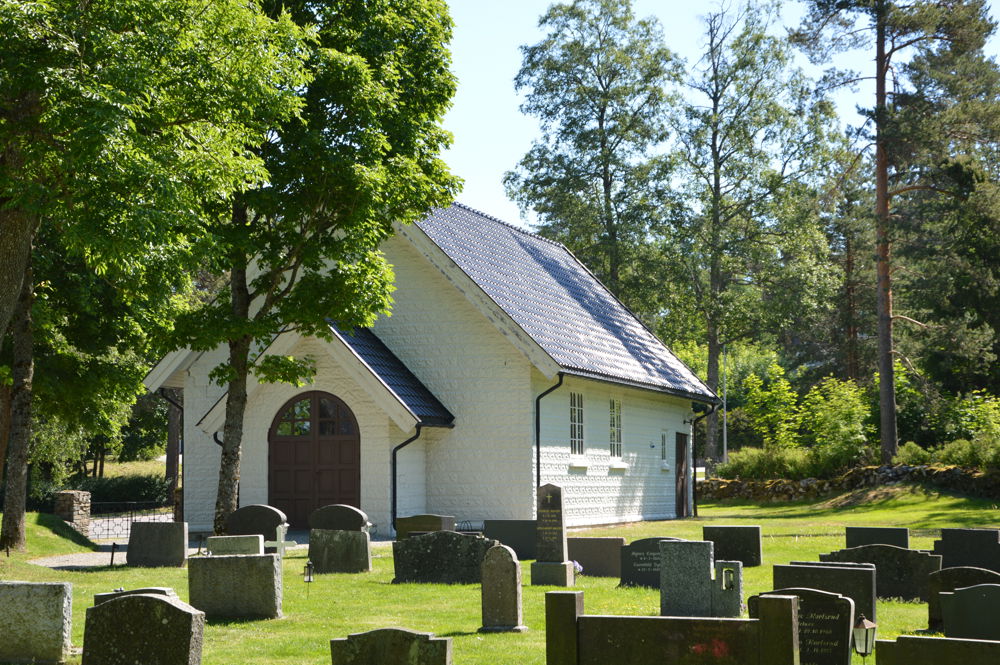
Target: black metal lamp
(864, 637)
(307, 572)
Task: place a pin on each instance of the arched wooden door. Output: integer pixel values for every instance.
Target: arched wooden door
(314, 456)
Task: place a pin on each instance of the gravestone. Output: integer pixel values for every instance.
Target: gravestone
(899, 573)
(155, 544)
(574, 638)
(599, 557)
(151, 629)
(972, 612)
(167, 592)
(852, 580)
(423, 524)
(640, 562)
(856, 536)
(340, 551)
(687, 585)
(36, 620)
(825, 623)
(501, 592)
(391, 646)
(519, 535)
(979, 548)
(735, 543)
(949, 579)
(261, 519)
(236, 586)
(551, 566)
(443, 557)
(339, 517)
(223, 545)
(920, 650)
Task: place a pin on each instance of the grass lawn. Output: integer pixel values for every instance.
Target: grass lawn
(336, 605)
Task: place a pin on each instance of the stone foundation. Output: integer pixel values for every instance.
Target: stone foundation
(73, 506)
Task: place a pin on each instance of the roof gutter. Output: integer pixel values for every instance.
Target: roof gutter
(538, 430)
(694, 474)
(395, 450)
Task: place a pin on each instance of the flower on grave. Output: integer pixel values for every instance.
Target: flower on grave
(577, 568)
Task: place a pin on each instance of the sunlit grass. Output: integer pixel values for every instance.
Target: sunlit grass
(336, 605)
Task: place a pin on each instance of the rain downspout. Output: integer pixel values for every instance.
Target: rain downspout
(694, 473)
(394, 480)
(538, 431)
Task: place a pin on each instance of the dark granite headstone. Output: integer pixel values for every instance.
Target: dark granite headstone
(735, 543)
(261, 519)
(423, 524)
(391, 645)
(599, 557)
(640, 562)
(339, 517)
(899, 573)
(157, 544)
(340, 551)
(825, 623)
(920, 650)
(949, 579)
(972, 613)
(979, 548)
(550, 532)
(519, 535)
(854, 581)
(856, 536)
(150, 629)
(443, 557)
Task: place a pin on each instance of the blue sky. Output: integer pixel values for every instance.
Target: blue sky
(491, 134)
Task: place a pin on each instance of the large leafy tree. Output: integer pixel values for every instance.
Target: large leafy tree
(121, 122)
(934, 100)
(598, 83)
(744, 247)
(303, 250)
(119, 119)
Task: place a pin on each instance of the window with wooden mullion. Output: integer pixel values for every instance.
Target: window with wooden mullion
(576, 445)
(616, 428)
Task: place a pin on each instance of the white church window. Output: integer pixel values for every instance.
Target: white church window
(576, 444)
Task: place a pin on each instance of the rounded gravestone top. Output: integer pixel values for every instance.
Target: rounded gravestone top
(254, 519)
(338, 517)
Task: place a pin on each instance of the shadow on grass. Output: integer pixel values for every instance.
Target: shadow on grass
(461, 633)
(63, 530)
(235, 621)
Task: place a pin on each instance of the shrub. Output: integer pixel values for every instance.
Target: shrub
(771, 408)
(148, 488)
(765, 463)
(912, 454)
(960, 452)
(832, 420)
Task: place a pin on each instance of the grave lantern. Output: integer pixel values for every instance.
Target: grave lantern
(864, 637)
(307, 572)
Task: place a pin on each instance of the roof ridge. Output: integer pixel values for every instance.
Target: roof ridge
(509, 225)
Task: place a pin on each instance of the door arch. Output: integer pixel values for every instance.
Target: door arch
(314, 456)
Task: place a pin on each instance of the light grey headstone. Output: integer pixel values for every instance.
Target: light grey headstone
(339, 517)
(501, 591)
(223, 545)
(236, 586)
(153, 544)
(36, 620)
(151, 629)
(972, 613)
(150, 591)
(340, 551)
(391, 646)
(688, 586)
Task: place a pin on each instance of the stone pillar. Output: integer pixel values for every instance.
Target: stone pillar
(562, 609)
(73, 506)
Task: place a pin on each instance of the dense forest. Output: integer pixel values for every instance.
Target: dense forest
(181, 174)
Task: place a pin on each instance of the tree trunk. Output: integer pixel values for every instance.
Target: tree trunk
(886, 384)
(851, 318)
(12, 529)
(227, 499)
(5, 395)
(174, 424)
(712, 450)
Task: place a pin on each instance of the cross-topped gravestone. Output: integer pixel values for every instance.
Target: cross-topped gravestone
(551, 566)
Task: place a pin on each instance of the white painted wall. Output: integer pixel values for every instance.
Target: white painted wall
(481, 469)
(593, 491)
(201, 453)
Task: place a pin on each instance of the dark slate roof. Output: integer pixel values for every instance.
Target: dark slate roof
(559, 303)
(391, 371)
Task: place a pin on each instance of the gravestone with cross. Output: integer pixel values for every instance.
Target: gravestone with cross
(551, 567)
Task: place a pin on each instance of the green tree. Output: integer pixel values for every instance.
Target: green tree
(744, 247)
(598, 83)
(303, 250)
(832, 421)
(930, 76)
(771, 408)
